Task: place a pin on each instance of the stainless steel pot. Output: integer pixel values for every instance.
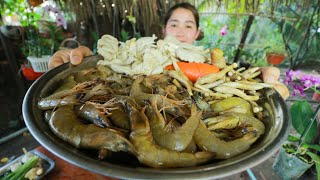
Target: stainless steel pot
(126, 167)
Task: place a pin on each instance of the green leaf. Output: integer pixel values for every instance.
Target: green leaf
(293, 138)
(314, 146)
(316, 160)
(301, 114)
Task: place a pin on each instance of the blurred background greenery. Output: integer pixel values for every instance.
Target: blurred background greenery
(253, 27)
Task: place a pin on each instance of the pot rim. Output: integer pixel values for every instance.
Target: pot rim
(276, 135)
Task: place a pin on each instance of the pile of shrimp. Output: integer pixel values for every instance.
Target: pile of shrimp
(164, 120)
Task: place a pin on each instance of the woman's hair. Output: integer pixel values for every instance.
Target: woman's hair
(189, 7)
(183, 5)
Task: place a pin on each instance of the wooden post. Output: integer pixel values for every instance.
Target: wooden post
(243, 38)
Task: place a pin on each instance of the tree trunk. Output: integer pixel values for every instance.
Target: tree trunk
(243, 38)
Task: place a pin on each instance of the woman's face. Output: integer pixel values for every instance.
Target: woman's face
(182, 25)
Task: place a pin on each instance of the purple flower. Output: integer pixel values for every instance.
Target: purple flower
(288, 78)
(309, 81)
(58, 15)
(61, 21)
(48, 8)
(298, 89)
(55, 10)
(223, 30)
(301, 82)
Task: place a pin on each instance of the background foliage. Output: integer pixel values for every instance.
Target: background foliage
(285, 29)
(287, 26)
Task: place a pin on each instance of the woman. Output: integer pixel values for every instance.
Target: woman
(181, 21)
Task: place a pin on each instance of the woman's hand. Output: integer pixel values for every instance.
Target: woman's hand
(75, 56)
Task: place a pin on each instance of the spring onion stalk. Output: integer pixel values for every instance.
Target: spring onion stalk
(19, 173)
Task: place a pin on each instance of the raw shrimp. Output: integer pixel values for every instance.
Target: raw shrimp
(151, 154)
(171, 106)
(172, 138)
(173, 124)
(69, 83)
(120, 118)
(92, 73)
(65, 125)
(64, 97)
(155, 80)
(206, 140)
(89, 113)
(48, 103)
(101, 89)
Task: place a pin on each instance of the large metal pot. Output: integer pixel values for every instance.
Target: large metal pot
(127, 167)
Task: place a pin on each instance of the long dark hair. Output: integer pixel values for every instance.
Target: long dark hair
(189, 7)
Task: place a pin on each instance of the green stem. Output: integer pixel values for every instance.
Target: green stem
(20, 173)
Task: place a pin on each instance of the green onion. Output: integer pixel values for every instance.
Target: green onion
(20, 172)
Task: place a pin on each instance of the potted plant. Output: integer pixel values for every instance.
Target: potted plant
(301, 150)
(275, 53)
(29, 73)
(38, 48)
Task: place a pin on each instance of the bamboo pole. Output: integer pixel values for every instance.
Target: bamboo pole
(244, 37)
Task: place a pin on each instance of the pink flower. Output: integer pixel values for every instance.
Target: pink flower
(223, 30)
(55, 10)
(59, 17)
(61, 21)
(48, 8)
(301, 82)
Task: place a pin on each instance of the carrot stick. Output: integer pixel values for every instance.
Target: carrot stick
(195, 70)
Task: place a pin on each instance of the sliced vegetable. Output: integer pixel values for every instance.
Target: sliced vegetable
(195, 70)
(34, 173)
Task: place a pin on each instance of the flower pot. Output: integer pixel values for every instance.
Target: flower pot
(288, 166)
(316, 96)
(275, 59)
(39, 64)
(35, 3)
(29, 73)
